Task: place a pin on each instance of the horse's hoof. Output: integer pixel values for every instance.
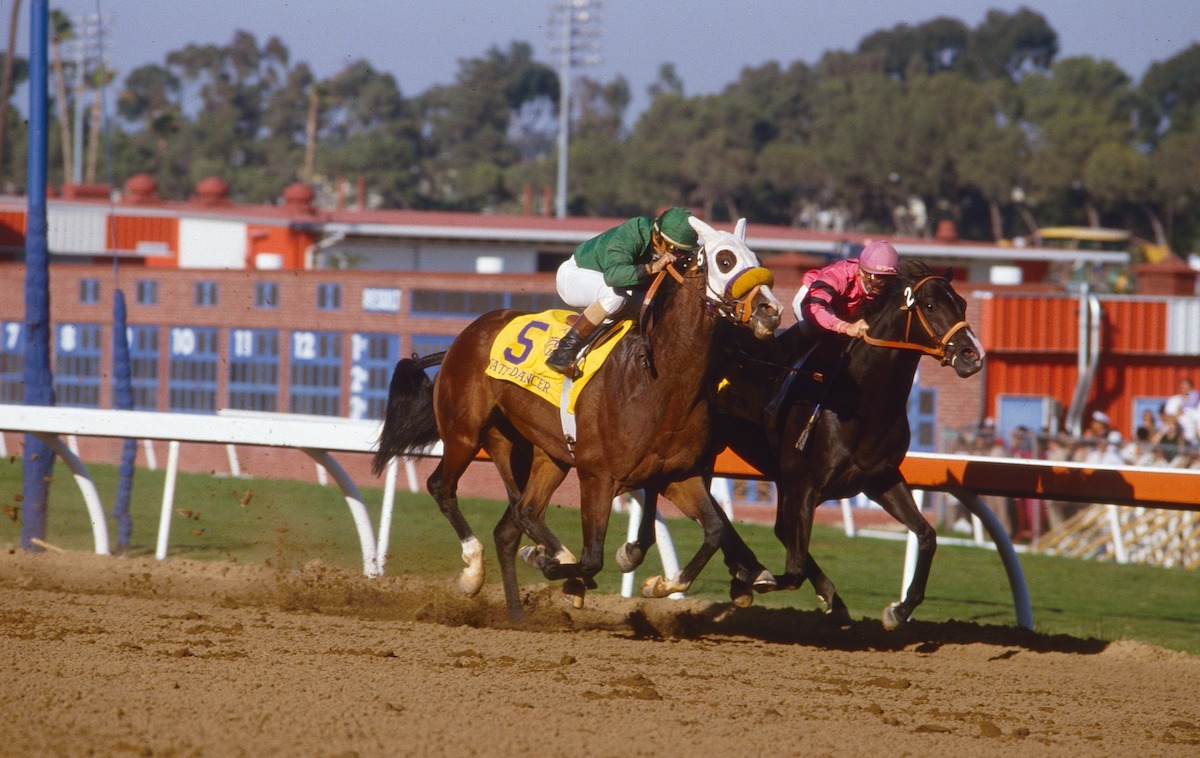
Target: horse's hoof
(892, 619)
(574, 591)
(659, 586)
(470, 582)
(789, 581)
(649, 586)
(534, 555)
(764, 582)
(655, 586)
(629, 557)
(740, 594)
(840, 616)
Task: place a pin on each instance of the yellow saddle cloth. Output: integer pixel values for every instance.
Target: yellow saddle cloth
(521, 348)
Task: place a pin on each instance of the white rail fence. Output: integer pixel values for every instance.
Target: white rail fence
(965, 477)
(318, 437)
(318, 440)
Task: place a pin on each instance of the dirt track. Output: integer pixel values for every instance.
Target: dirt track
(115, 657)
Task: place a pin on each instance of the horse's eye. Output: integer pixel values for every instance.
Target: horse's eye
(726, 261)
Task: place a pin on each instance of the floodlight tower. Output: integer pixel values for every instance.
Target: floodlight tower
(578, 45)
(90, 47)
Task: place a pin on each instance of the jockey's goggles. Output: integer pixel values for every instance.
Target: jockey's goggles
(667, 245)
(874, 277)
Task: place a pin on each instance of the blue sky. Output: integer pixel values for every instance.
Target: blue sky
(709, 41)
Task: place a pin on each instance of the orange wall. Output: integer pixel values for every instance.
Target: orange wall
(281, 240)
(12, 228)
(1033, 348)
(125, 232)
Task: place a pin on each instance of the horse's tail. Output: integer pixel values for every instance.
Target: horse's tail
(408, 423)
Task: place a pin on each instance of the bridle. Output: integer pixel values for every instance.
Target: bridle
(938, 349)
(729, 306)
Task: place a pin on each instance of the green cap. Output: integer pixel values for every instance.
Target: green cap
(674, 227)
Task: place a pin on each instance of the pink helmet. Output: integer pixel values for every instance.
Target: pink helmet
(879, 257)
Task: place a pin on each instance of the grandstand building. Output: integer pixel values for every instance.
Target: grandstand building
(292, 308)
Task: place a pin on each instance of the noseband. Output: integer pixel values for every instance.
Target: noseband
(737, 309)
(938, 349)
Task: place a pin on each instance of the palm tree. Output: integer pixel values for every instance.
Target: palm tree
(310, 131)
(6, 86)
(101, 78)
(61, 29)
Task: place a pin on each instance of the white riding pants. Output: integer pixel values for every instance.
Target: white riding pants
(580, 287)
(807, 328)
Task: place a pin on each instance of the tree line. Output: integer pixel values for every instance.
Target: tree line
(985, 126)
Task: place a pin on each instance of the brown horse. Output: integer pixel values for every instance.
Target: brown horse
(643, 421)
(842, 427)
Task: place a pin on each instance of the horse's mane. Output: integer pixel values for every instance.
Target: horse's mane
(665, 294)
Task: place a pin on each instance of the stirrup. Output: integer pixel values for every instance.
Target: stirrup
(568, 369)
(771, 409)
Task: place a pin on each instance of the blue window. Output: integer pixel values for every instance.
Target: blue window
(146, 292)
(1141, 405)
(77, 365)
(266, 295)
(315, 376)
(474, 304)
(206, 293)
(192, 370)
(254, 369)
(922, 419)
(1034, 412)
(12, 362)
(89, 291)
(329, 297)
(428, 344)
(372, 357)
(143, 359)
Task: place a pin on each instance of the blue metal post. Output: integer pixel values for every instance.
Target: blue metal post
(123, 395)
(39, 382)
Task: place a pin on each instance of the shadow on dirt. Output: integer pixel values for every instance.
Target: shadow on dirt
(813, 629)
(319, 588)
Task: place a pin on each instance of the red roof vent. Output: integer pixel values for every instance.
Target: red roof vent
(93, 191)
(298, 197)
(1169, 277)
(141, 189)
(212, 191)
(947, 231)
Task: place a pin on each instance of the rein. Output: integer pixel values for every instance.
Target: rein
(938, 349)
(736, 309)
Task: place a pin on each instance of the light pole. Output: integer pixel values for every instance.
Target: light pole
(39, 382)
(578, 45)
(90, 46)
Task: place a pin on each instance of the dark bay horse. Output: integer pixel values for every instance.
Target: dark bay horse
(847, 407)
(643, 421)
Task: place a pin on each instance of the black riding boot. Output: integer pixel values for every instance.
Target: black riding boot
(562, 359)
(771, 410)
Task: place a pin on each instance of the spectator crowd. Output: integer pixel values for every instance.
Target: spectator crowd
(1168, 437)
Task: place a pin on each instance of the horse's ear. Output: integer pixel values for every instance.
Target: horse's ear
(705, 231)
(739, 231)
(948, 275)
